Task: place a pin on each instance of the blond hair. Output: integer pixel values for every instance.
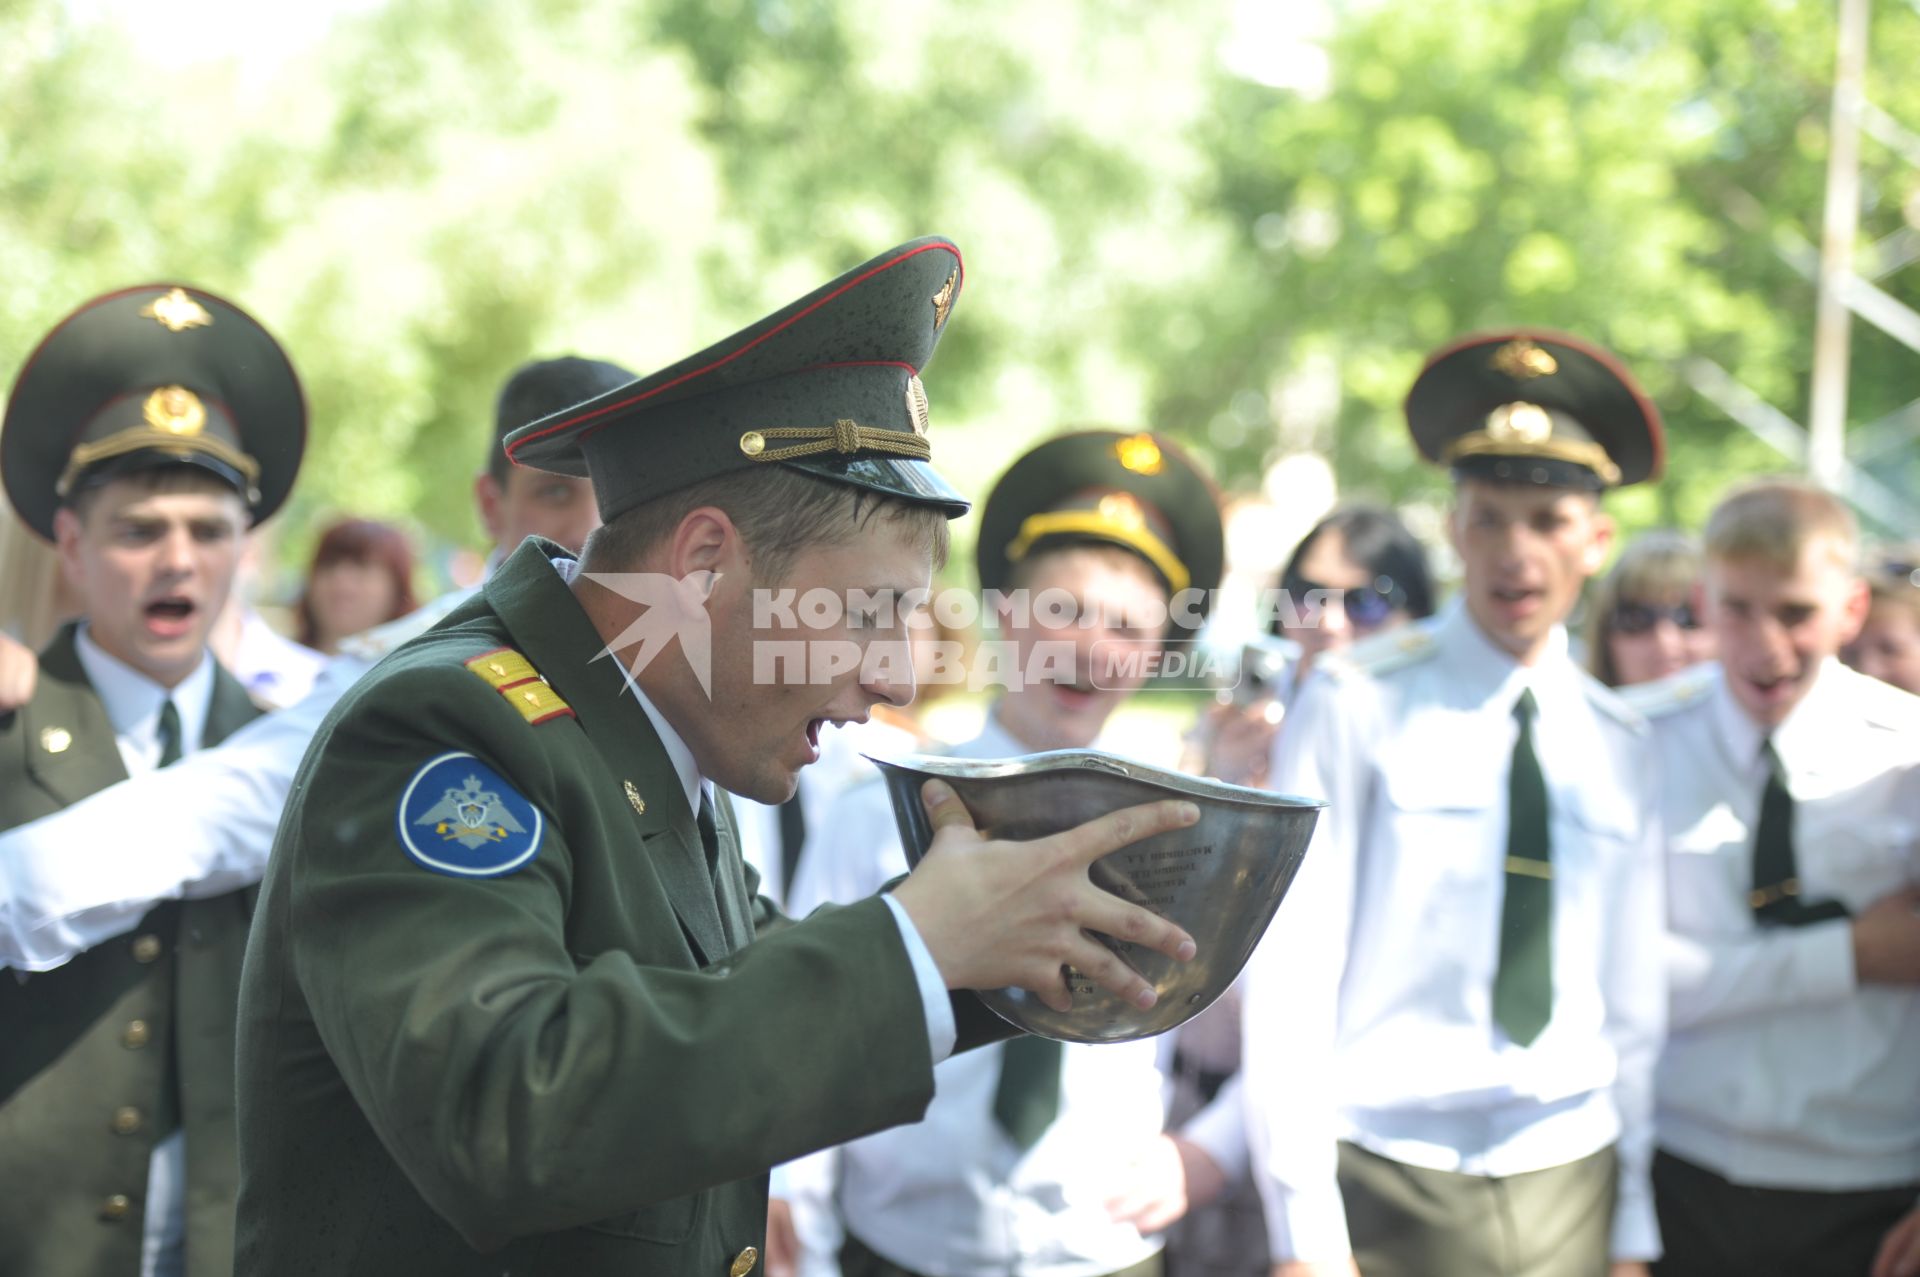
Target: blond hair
(1659, 567)
(1773, 521)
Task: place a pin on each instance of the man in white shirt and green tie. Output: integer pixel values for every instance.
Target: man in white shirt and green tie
(1450, 1031)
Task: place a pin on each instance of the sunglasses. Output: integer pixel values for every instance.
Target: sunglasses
(1639, 618)
(1366, 607)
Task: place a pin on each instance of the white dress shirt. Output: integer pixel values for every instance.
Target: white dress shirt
(1782, 1070)
(1369, 1012)
(54, 906)
(951, 1195)
(133, 702)
(275, 670)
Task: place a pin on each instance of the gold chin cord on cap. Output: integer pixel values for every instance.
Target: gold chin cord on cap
(1135, 535)
(143, 438)
(843, 437)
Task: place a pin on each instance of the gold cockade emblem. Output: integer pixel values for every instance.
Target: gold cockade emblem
(175, 410)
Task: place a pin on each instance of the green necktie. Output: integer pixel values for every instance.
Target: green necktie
(709, 832)
(1028, 1097)
(1523, 985)
(1775, 898)
(169, 734)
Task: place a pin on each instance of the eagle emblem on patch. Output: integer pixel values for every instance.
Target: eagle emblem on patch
(459, 816)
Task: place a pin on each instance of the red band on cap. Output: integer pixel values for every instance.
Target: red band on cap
(733, 355)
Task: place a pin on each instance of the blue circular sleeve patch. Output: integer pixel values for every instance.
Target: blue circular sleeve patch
(459, 816)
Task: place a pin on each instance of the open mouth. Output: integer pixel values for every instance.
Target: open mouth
(1515, 596)
(1077, 694)
(169, 617)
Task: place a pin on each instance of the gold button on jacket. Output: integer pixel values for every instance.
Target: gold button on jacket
(86, 1050)
(616, 1113)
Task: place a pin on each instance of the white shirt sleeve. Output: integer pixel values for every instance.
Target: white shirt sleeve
(942, 1033)
(1718, 978)
(852, 852)
(1220, 1129)
(1291, 1011)
(221, 807)
(1636, 993)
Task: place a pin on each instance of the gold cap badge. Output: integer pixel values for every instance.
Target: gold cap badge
(1523, 361)
(1139, 453)
(175, 410)
(177, 312)
(1519, 423)
(943, 300)
(917, 411)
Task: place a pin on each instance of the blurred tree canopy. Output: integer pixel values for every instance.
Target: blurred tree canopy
(436, 191)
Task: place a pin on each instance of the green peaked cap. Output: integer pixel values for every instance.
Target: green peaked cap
(829, 384)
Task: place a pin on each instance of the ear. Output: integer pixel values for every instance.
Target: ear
(487, 496)
(706, 541)
(66, 542)
(1853, 615)
(1601, 542)
(1456, 522)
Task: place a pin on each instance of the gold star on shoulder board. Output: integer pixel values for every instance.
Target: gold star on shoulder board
(177, 312)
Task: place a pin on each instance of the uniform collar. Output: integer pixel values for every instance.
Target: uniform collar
(692, 783)
(1486, 673)
(132, 700)
(1801, 736)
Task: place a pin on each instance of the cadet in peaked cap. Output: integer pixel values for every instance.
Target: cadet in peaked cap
(1538, 407)
(829, 385)
(560, 1035)
(146, 377)
(116, 1109)
(1106, 520)
(1136, 491)
(1489, 900)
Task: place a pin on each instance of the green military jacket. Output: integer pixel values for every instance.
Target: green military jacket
(582, 1064)
(103, 1056)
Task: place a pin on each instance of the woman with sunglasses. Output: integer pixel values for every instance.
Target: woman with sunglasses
(1356, 573)
(1644, 622)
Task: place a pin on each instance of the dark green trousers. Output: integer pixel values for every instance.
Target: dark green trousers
(857, 1261)
(1713, 1228)
(1406, 1221)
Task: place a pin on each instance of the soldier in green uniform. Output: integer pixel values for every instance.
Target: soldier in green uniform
(143, 437)
(512, 1004)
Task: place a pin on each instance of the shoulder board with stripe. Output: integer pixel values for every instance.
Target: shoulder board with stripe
(513, 676)
(1671, 694)
(1614, 703)
(1382, 654)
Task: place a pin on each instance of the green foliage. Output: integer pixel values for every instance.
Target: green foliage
(1618, 170)
(437, 191)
